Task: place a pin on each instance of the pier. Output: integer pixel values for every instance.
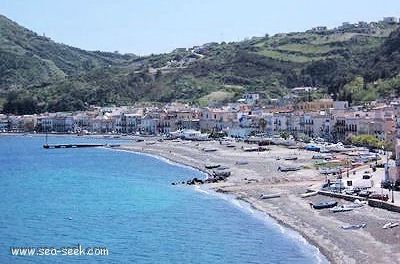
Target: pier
(54, 146)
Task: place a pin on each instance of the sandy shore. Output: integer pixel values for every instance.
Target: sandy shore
(255, 173)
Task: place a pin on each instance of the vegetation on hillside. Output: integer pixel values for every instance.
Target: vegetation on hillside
(39, 75)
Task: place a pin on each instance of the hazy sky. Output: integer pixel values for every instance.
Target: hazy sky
(154, 26)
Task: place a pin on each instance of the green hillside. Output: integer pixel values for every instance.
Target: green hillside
(355, 63)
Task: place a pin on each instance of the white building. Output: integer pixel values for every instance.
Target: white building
(250, 99)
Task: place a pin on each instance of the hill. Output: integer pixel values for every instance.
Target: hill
(358, 62)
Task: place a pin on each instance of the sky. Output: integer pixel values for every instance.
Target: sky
(144, 27)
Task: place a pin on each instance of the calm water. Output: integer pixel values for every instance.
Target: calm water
(124, 202)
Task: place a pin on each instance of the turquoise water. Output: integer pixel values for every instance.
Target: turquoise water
(124, 202)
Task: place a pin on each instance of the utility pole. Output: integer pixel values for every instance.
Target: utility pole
(392, 185)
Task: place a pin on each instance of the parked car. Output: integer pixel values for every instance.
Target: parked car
(349, 191)
(356, 163)
(364, 193)
(397, 185)
(386, 184)
(378, 196)
(380, 165)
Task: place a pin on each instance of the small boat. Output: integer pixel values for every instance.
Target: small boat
(212, 166)
(221, 173)
(242, 162)
(222, 167)
(341, 208)
(308, 194)
(323, 205)
(280, 168)
(356, 204)
(269, 196)
(390, 225)
(253, 149)
(209, 149)
(347, 227)
(113, 145)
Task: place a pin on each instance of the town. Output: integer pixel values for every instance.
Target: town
(331, 120)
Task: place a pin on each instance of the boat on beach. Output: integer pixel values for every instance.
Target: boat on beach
(256, 149)
(323, 205)
(359, 226)
(341, 208)
(308, 194)
(290, 158)
(212, 166)
(209, 149)
(269, 196)
(356, 204)
(390, 225)
(284, 169)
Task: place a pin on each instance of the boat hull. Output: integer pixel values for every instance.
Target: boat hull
(323, 205)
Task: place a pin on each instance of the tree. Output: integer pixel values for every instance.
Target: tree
(261, 124)
(368, 141)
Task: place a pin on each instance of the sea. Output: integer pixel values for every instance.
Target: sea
(102, 205)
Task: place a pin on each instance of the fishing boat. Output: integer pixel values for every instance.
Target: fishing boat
(359, 226)
(212, 166)
(269, 196)
(209, 149)
(221, 173)
(281, 168)
(254, 149)
(390, 225)
(341, 208)
(290, 158)
(308, 194)
(356, 204)
(323, 205)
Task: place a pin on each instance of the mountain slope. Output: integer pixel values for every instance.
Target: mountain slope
(29, 59)
(39, 75)
(387, 60)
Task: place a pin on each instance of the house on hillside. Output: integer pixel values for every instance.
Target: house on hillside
(316, 105)
(250, 99)
(390, 20)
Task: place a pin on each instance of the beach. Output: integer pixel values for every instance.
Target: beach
(255, 174)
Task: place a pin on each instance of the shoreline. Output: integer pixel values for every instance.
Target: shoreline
(259, 175)
(216, 191)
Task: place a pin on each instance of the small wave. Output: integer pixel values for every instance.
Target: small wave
(201, 190)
